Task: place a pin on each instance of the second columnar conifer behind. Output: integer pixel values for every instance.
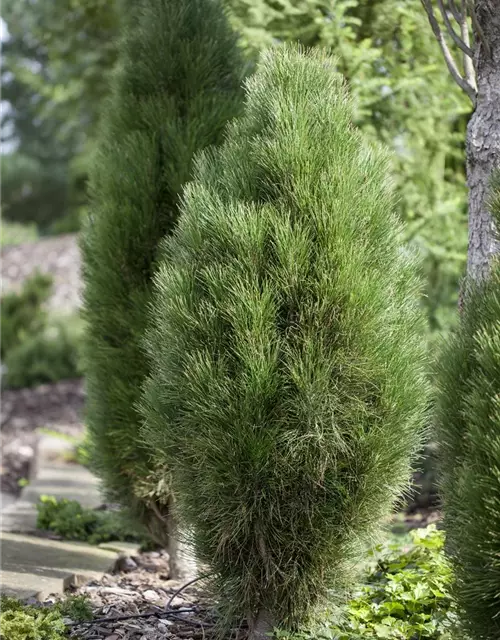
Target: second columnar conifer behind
(179, 82)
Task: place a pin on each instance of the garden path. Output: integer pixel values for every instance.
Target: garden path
(35, 566)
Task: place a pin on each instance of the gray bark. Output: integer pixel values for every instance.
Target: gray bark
(260, 625)
(483, 138)
(181, 558)
(163, 529)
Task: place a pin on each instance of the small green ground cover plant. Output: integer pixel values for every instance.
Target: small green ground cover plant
(70, 520)
(404, 594)
(19, 621)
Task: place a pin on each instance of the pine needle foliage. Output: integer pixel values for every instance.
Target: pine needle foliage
(468, 430)
(179, 81)
(287, 387)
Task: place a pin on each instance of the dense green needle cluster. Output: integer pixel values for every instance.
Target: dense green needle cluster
(468, 421)
(287, 386)
(179, 81)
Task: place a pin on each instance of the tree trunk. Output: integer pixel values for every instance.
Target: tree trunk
(260, 625)
(483, 138)
(163, 529)
(181, 558)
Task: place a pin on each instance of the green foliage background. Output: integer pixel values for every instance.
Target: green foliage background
(37, 346)
(58, 64)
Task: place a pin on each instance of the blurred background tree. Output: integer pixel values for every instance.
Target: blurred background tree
(56, 69)
(55, 73)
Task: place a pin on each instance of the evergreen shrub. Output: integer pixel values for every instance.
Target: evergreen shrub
(23, 313)
(287, 387)
(47, 356)
(178, 83)
(468, 432)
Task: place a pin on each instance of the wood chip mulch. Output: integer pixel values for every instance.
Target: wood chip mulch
(122, 601)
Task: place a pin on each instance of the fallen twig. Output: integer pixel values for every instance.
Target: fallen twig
(184, 586)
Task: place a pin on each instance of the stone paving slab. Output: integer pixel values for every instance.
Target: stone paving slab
(6, 499)
(122, 548)
(37, 567)
(69, 481)
(28, 585)
(20, 516)
(53, 477)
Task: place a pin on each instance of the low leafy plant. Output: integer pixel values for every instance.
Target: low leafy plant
(407, 592)
(405, 595)
(68, 519)
(30, 622)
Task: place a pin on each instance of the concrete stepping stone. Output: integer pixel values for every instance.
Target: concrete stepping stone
(37, 567)
(6, 499)
(53, 477)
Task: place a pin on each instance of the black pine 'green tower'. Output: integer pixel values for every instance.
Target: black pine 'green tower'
(287, 384)
(178, 83)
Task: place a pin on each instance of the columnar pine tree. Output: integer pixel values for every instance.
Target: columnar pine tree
(468, 418)
(179, 82)
(287, 387)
